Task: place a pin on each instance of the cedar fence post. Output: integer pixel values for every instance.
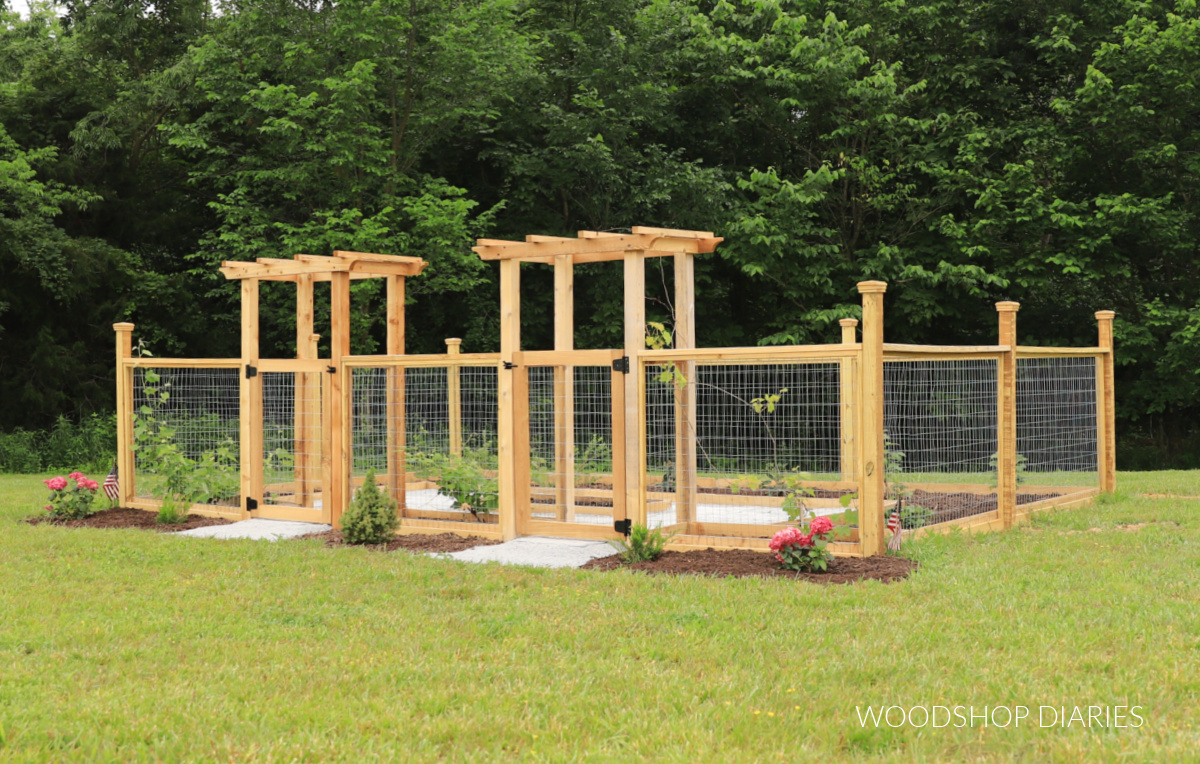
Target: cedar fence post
(685, 395)
(250, 402)
(1106, 406)
(454, 396)
(125, 455)
(1006, 411)
(635, 342)
(871, 450)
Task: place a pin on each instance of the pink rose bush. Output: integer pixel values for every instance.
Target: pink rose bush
(74, 502)
(806, 551)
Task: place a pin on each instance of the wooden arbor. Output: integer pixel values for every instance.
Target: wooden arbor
(319, 417)
(564, 253)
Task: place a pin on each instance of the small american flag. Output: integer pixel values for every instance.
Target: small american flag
(112, 488)
(893, 525)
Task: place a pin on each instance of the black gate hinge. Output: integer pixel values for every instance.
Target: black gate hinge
(509, 365)
(251, 505)
(621, 364)
(331, 369)
(623, 526)
(251, 371)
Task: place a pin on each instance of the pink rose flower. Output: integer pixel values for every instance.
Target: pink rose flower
(91, 485)
(76, 476)
(804, 540)
(56, 483)
(49, 508)
(820, 526)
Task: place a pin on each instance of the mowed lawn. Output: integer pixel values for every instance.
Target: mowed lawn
(130, 646)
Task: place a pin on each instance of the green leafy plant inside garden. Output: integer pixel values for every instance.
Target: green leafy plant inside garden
(643, 545)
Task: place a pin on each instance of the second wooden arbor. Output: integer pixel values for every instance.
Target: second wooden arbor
(564, 253)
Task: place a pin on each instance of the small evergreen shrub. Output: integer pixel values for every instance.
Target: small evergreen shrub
(371, 518)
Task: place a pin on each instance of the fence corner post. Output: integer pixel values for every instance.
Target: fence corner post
(1106, 406)
(1006, 412)
(871, 452)
(124, 333)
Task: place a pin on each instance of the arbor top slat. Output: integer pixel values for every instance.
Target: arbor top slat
(599, 246)
(360, 265)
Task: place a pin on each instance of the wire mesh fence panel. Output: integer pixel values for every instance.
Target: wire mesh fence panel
(571, 448)
(1056, 422)
(750, 445)
(291, 438)
(940, 426)
(444, 422)
(185, 434)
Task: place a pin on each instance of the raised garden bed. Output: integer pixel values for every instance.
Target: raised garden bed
(124, 517)
(414, 542)
(742, 563)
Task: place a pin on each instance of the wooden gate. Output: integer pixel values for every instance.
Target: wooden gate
(290, 412)
(576, 434)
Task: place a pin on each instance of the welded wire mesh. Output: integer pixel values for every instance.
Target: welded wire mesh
(291, 438)
(185, 436)
(448, 441)
(766, 435)
(940, 425)
(1056, 421)
(571, 449)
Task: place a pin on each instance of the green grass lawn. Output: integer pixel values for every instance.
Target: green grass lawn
(130, 646)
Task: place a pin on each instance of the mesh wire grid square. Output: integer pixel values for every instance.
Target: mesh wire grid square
(940, 427)
(186, 434)
(291, 438)
(1056, 421)
(762, 430)
(451, 448)
(571, 475)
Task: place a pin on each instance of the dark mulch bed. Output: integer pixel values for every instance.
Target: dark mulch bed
(740, 563)
(123, 517)
(414, 542)
(952, 506)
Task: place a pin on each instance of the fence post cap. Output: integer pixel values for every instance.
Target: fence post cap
(872, 287)
(848, 322)
(1008, 307)
(453, 341)
(124, 326)
(1106, 315)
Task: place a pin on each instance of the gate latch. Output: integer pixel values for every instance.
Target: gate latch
(251, 505)
(251, 371)
(509, 365)
(621, 364)
(623, 526)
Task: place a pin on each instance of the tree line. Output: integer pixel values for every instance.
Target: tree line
(1042, 151)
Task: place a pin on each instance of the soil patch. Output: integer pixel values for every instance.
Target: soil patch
(740, 563)
(124, 517)
(952, 506)
(417, 543)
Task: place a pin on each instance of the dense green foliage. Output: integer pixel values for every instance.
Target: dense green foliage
(1044, 152)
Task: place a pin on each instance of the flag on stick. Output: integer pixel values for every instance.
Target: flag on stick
(893, 525)
(112, 488)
